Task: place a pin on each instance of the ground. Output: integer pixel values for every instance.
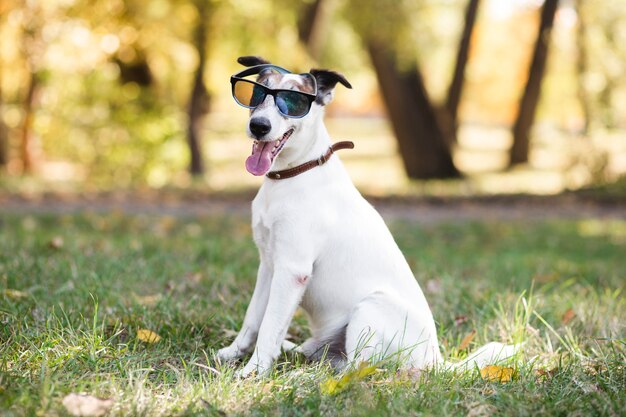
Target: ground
(126, 296)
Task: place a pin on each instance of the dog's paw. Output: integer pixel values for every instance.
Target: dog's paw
(253, 368)
(229, 353)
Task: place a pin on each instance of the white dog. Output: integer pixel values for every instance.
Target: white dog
(322, 246)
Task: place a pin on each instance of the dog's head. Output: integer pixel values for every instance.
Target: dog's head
(278, 115)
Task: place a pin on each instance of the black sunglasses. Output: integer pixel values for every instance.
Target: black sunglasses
(251, 94)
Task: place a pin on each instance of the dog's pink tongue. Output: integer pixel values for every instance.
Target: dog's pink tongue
(261, 159)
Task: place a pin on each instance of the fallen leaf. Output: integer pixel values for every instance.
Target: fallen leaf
(411, 374)
(86, 405)
(545, 278)
(467, 340)
(545, 373)
(458, 320)
(147, 300)
(329, 387)
(334, 386)
(148, 336)
(14, 294)
(364, 370)
(56, 242)
(495, 373)
(568, 316)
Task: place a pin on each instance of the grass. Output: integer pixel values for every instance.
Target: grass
(75, 290)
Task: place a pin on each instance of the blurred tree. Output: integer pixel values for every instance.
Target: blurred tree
(423, 144)
(33, 48)
(199, 98)
(313, 20)
(456, 85)
(518, 153)
(4, 131)
(581, 66)
(425, 131)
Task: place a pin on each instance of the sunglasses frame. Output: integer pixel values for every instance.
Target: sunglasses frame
(269, 91)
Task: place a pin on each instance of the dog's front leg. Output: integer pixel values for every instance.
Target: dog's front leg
(247, 336)
(286, 292)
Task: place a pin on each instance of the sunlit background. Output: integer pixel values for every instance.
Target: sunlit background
(105, 94)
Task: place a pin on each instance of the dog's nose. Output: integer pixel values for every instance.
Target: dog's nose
(259, 126)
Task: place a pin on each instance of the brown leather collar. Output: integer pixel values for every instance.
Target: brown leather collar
(292, 172)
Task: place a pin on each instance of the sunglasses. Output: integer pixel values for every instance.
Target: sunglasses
(250, 94)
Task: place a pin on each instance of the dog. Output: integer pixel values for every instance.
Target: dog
(321, 245)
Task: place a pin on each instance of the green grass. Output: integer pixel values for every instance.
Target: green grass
(69, 316)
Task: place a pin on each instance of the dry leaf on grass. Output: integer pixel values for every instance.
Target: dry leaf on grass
(467, 340)
(495, 373)
(412, 374)
(56, 242)
(458, 320)
(148, 300)
(568, 316)
(86, 405)
(148, 336)
(545, 373)
(14, 294)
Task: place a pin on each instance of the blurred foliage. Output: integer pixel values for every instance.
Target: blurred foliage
(113, 76)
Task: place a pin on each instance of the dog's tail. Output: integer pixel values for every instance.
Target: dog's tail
(490, 354)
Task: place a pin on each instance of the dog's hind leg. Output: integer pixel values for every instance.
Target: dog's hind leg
(382, 327)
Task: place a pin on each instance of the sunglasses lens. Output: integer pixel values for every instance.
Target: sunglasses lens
(292, 103)
(248, 94)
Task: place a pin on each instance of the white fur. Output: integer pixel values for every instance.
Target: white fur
(323, 247)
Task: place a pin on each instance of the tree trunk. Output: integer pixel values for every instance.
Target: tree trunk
(312, 25)
(456, 85)
(199, 99)
(581, 68)
(423, 144)
(4, 143)
(26, 142)
(4, 133)
(528, 104)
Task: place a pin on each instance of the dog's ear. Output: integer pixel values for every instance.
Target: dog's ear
(251, 60)
(326, 82)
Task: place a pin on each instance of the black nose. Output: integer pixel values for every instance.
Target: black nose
(259, 126)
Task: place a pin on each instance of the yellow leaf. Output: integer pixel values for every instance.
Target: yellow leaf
(329, 387)
(148, 300)
(495, 373)
(147, 336)
(467, 340)
(86, 405)
(333, 386)
(364, 370)
(14, 294)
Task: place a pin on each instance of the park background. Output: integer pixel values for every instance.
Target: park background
(100, 95)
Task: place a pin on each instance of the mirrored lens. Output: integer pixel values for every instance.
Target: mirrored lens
(248, 94)
(292, 103)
